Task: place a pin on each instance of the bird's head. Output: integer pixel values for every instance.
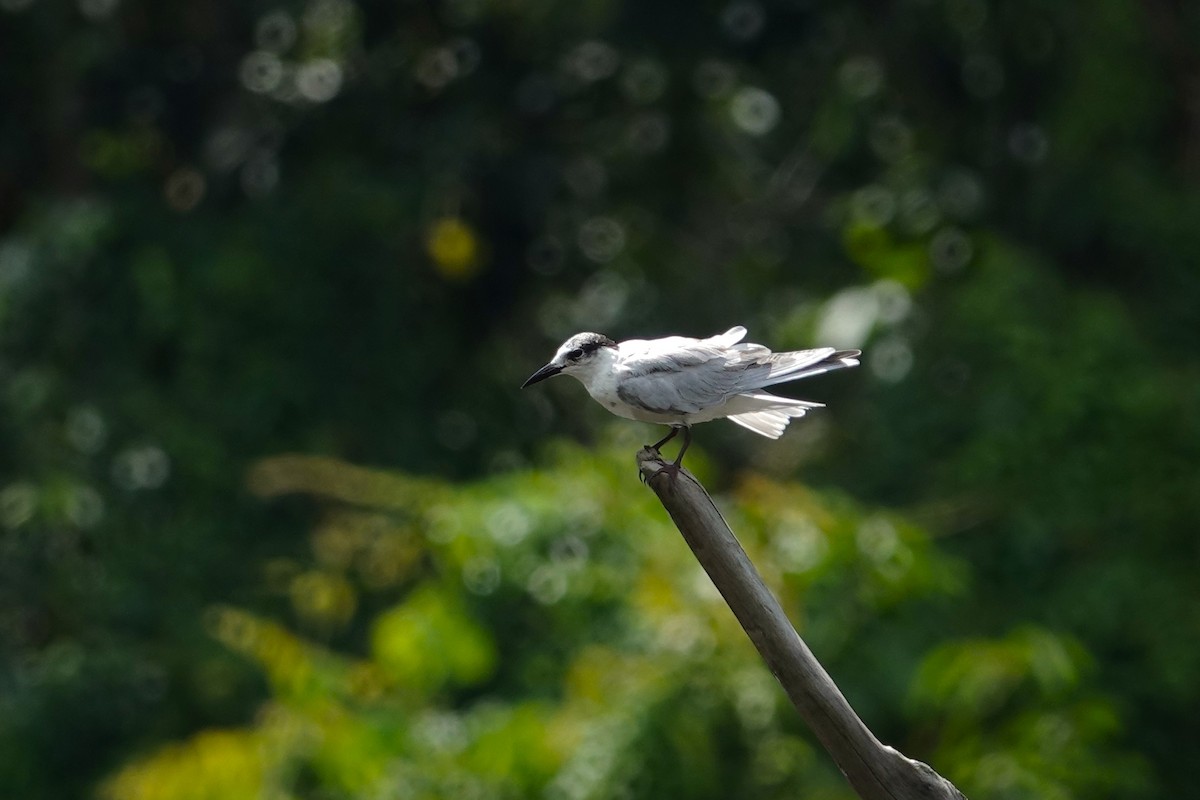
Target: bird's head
(577, 356)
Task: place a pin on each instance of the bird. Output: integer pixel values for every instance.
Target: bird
(680, 381)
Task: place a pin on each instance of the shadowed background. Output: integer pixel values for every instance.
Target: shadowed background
(275, 520)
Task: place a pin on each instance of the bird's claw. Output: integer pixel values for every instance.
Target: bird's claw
(672, 468)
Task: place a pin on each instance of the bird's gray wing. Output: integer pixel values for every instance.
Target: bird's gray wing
(683, 376)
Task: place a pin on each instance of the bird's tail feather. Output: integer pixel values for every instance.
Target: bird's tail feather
(765, 423)
(771, 422)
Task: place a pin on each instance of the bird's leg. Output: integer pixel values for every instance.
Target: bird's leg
(658, 445)
(673, 468)
(687, 440)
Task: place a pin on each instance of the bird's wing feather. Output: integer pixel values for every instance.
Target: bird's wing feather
(680, 375)
(673, 385)
(806, 363)
(729, 337)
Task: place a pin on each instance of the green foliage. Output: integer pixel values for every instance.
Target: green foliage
(428, 638)
(1016, 719)
(547, 632)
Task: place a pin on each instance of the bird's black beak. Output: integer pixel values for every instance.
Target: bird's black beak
(548, 371)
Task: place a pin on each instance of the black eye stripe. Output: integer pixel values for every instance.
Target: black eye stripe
(586, 345)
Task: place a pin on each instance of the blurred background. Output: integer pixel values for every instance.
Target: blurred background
(276, 522)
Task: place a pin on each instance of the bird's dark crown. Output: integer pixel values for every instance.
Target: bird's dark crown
(584, 344)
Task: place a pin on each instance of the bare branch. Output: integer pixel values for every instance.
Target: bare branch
(876, 771)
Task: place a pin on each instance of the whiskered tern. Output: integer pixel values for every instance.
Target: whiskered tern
(679, 381)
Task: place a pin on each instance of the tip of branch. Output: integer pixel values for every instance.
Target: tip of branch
(649, 461)
(651, 465)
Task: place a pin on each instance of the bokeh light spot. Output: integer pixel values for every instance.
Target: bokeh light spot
(874, 204)
(950, 250)
(569, 550)
(441, 731)
(754, 110)
(919, 212)
(890, 359)
(97, 10)
(644, 81)
(84, 506)
(545, 255)
(453, 247)
(16, 260)
(877, 539)
(1028, 143)
(713, 78)
(960, 194)
(275, 31)
(18, 502)
(184, 189)
(329, 17)
(481, 575)
(848, 317)
(861, 77)
(891, 138)
(547, 584)
(319, 80)
(86, 429)
(436, 68)
(227, 147)
(30, 388)
(743, 20)
(601, 239)
(467, 55)
(755, 698)
(648, 133)
(261, 71)
(601, 299)
(323, 598)
(586, 176)
(260, 174)
(509, 524)
(145, 467)
(798, 545)
(593, 61)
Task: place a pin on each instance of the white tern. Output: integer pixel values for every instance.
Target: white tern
(679, 381)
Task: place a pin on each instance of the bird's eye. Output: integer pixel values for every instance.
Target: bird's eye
(574, 354)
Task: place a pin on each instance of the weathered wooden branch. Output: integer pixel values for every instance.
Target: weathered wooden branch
(875, 771)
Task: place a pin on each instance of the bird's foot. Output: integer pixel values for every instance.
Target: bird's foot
(655, 453)
(656, 463)
(672, 468)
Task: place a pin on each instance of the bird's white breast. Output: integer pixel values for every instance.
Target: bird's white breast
(602, 381)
